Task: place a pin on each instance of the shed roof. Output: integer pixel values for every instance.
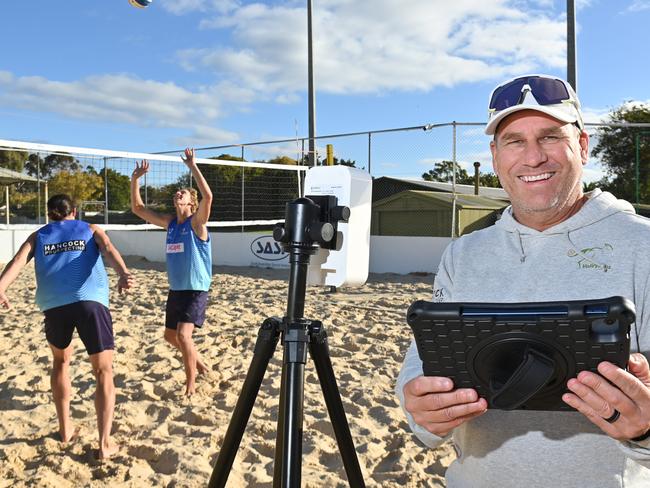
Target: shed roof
(9, 176)
(462, 201)
(440, 186)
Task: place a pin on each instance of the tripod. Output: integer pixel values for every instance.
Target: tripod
(304, 228)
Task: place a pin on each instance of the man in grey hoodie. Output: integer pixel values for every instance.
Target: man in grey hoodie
(553, 243)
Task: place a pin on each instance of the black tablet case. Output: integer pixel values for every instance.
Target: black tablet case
(520, 355)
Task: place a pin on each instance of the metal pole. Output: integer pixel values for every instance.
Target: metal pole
(105, 191)
(47, 197)
(38, 185)
(369, 147)
(310, 89)
(7, 204)
(453, 183)
(572, 76)
(242, 190)
(637, 163)
(636, 168)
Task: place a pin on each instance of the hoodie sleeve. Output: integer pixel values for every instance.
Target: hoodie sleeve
(640, 451)
(412, 365)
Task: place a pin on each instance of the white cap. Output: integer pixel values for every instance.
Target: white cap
(566, 111)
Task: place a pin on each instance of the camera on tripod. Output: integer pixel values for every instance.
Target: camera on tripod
(331, 223)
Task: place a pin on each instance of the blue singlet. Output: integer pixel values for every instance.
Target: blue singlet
(68, 265)
(189, 259)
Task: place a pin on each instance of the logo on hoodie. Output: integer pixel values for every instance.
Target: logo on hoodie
(596, 257)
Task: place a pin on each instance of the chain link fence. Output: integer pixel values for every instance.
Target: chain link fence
(248, 194)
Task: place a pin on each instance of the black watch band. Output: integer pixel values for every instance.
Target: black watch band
(642, 437)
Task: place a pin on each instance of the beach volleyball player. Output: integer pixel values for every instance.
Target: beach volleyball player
(189, 262)
(72, 292)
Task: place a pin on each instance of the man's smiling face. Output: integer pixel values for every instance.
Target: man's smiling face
(539, 163)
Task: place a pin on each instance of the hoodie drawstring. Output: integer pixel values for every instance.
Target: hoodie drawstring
(522, 257)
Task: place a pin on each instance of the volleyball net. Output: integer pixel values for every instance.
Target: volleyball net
(245, 193)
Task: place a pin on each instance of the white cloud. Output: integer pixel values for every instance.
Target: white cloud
(638, 6)
(601, 115)
(383, 45)
(205, 135)
(181, 7)
(118, 98)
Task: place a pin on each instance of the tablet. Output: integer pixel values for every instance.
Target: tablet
(520, 355)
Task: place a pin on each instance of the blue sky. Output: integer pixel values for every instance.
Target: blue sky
(188, 72)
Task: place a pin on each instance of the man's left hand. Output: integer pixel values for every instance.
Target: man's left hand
(626, 392)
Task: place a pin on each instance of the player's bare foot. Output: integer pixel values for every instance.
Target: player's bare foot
(108, 450)
(190, 389)
(201, 368)
(69, 435)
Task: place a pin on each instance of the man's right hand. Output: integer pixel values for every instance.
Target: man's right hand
(436, 406)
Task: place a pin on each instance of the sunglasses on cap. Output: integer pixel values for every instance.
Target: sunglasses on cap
(546, 90)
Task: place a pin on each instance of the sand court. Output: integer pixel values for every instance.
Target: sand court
(169, 440)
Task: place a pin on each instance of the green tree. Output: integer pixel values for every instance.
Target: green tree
(119, 190)
(616, 150)
(490, 180)
(283, 160)
(14, 160)
(342, 162)
(443, 171)
(51, 164)
(345, 162)
(80, 186)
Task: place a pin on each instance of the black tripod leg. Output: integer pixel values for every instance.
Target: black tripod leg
(319, 351)
(288, 446)
(267, 340)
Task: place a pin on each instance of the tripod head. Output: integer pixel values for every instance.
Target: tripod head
(309, 223)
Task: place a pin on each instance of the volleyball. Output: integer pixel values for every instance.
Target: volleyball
(140, 3)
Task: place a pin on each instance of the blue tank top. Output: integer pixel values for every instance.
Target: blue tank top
(68, 265)
(189, 259)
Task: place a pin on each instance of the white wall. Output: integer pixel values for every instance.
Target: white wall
(11, 240)
(393, 254)
(388, 254)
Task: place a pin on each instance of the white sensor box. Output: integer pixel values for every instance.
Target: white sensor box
(347, 265)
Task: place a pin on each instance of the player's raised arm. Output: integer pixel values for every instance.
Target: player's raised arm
(202, 214)
(137, 205)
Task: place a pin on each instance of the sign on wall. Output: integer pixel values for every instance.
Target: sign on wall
(266, 251)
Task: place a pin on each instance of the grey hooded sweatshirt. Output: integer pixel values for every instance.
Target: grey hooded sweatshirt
(601, 251)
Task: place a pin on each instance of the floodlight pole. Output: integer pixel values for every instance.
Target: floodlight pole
(105, 191)
(636, 161)
(310, 90)
(572, 77)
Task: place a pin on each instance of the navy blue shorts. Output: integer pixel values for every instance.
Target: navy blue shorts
(185, 306)
(91, 319)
